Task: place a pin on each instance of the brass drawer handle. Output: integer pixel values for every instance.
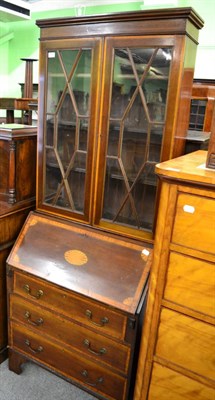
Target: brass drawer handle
(38, 294)
(97, 353)
(38, 322)
(35, 351)
(104, 320)
(96, 383)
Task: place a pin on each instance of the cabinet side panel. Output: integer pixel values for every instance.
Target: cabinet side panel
(26, 169)
(3, 315)
(156, 287)
(185, 97)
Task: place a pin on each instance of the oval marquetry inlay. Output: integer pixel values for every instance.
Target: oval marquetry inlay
(75, 257)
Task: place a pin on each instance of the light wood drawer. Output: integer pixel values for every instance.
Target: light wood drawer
(104, 320)
(191, 283)
(187, 342)
(68, 363)
(170, 385)
(194, 225)
(101, 348)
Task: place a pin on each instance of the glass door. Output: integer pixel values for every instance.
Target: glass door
(69, 128)
(135, 124)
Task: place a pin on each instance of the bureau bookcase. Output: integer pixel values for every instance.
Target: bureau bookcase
(113, 93)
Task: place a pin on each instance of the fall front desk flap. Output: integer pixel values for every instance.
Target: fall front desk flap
(86, 261)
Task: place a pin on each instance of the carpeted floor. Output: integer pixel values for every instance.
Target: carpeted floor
(35, 383)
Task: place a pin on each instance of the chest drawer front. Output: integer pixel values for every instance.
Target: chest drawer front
(194, 225)
(167, 384)
(86, 341)
(191, 283)
(187, 342)
(103, 320)
(68, 364)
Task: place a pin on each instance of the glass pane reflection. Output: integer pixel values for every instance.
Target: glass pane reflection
(67, 125)
(137, 117)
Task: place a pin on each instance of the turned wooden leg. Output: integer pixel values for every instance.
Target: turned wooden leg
(15, 361)
(10, 116)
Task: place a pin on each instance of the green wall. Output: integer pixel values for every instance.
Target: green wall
(20, 39)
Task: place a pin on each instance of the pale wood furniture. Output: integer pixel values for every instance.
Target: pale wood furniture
(17, 199)
(112, 92)
(177, 351)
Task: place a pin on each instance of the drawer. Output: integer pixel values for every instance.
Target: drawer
(171, 385)
(79, 369)
(194, 225)
(191, 283)
(86, 341)
(187, 342)
(90, 313)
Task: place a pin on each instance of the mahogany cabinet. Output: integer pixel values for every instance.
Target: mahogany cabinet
(202, 115)
(113, 101)
(177, 351)
(17, 199)
(202, 106)
(18, 162)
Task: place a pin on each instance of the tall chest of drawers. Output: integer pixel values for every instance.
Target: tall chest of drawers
(177, 352)
(72, 307)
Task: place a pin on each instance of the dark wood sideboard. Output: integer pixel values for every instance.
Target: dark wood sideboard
(17, 197)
